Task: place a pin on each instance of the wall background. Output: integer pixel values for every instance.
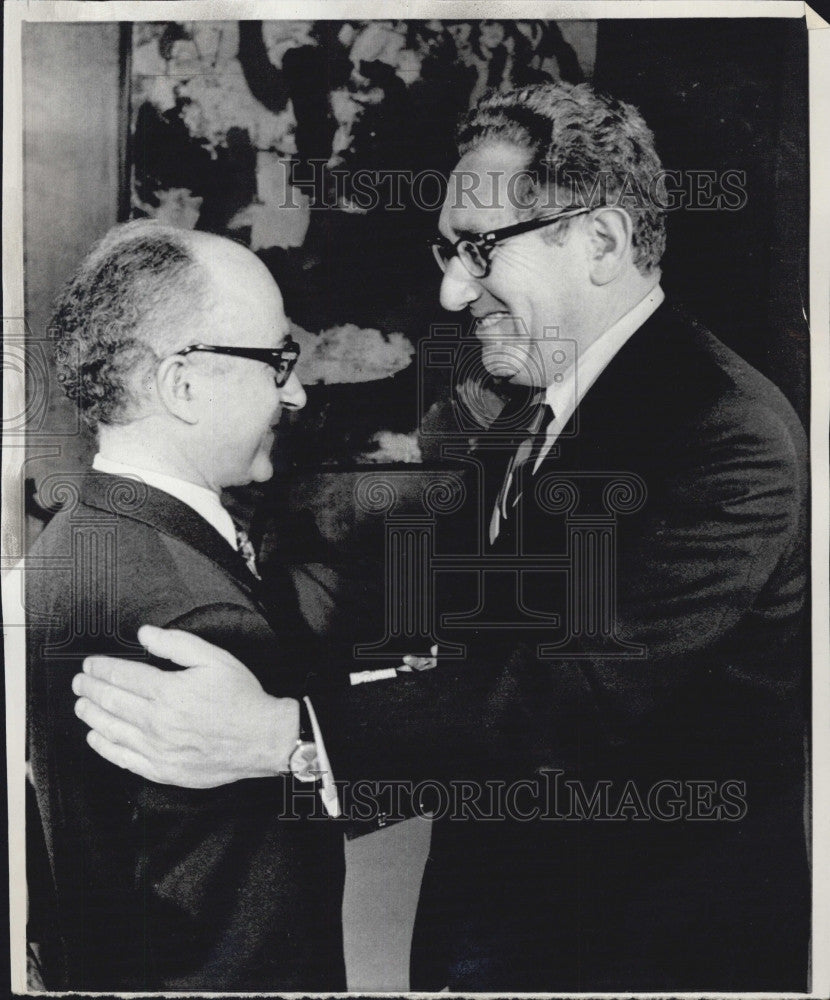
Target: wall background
(199, 123)
(721, 95)
(74, 149)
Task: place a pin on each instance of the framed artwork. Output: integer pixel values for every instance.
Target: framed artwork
(324, 146)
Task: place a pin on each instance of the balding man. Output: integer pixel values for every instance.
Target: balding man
(175, 347)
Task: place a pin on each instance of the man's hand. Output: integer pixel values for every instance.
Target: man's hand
(421, 662)
(205, 726)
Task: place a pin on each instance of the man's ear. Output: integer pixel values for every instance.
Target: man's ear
(176, 390)
(610, 231)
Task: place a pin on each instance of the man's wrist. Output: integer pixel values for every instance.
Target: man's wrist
(278, 734)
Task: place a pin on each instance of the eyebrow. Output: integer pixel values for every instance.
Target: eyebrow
(463, 233)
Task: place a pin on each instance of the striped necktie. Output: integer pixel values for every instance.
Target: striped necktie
(527, 452)
(245, 548)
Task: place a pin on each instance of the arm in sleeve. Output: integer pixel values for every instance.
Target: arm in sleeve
(719, 539)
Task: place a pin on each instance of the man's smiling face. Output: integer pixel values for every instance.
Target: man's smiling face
(535, 289)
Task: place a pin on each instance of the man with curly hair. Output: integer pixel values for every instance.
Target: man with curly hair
(680, 667)
(663, 691)
(175, 348)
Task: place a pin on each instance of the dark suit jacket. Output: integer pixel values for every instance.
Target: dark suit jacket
(689, 665)
(160, 887)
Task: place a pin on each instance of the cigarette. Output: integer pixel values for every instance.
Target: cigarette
(387, 673)
(368, 676)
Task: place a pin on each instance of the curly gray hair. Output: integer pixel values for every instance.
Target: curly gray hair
(126, 305)
(573, 135)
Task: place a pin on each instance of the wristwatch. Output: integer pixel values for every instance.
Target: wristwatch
(303, 762)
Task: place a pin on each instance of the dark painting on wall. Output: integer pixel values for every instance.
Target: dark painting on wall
(324, 146)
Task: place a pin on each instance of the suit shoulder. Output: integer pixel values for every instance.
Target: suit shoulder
(696, 378)
(149, 575)
(752, 406)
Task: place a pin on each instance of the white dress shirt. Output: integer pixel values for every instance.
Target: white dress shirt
(564, 397)
(207, 504)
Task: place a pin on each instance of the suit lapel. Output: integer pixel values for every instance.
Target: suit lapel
(611, 411)
(163, 512)
(608, 407)
(609, 431)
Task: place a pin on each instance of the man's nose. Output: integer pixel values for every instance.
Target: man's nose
(458, 287)
(292, 394)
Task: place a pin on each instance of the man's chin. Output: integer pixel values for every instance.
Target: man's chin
(260, 470)
(502, 365)
(512, 363)
(262, 473)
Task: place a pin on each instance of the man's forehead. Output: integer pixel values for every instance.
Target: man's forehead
(481, 192)
(247, 307)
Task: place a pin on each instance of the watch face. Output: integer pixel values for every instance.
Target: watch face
(303, 762)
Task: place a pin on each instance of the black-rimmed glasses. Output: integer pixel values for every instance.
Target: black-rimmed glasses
(475, 252)
(281, 359)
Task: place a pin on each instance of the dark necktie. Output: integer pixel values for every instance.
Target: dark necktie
(245, 548)
(526, 453)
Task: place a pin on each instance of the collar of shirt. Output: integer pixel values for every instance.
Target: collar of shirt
(564, 397)
(205, 502)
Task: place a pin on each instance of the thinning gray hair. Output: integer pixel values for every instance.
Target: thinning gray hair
(126, 306)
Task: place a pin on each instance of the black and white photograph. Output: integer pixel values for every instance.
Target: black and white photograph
(415, 530)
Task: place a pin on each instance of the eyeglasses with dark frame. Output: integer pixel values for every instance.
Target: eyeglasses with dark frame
(281, 359)
(475, 252)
